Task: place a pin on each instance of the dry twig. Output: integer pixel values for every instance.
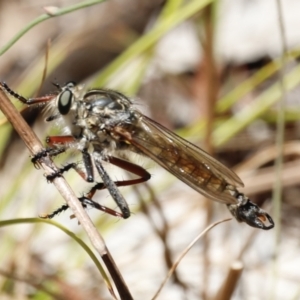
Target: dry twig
(35, 146)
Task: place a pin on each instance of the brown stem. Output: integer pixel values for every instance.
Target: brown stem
(35, 146)
(230, 282)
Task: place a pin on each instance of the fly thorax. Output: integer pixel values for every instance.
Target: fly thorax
(105, 104)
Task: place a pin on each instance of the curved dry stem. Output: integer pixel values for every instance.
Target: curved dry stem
(182, 255)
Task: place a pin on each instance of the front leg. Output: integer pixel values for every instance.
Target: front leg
(86, 172)
(57, 145)
(52, 152)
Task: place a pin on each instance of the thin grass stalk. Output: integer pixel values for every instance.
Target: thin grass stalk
(162, 233)
(149, 39)
(54, 13)
(208, 74)
(183, 254)
(277, 189)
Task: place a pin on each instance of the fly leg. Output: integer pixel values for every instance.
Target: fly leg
(52, 152)
(87, 200)
(33, 101)
(29, 101)
(57, 145)
(112, 186)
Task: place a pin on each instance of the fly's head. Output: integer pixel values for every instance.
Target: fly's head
(91, 116)
(97, 105)
(65, 107)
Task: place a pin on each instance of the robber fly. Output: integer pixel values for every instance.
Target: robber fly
(102, 122)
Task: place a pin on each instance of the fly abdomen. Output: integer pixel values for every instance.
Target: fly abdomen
(202, 176)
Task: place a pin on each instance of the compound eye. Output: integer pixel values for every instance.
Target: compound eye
(65, 102)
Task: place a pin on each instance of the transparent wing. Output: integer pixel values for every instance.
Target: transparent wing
(186, 161)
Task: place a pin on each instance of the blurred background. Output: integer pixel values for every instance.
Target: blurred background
(212, 71)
